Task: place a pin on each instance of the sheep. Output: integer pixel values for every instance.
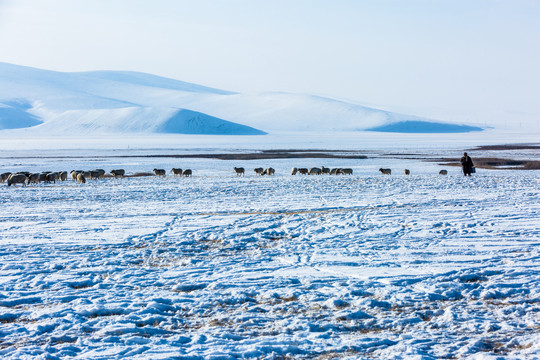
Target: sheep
(335, 171)
(315, 171)
(188, 172)
(294, 171)
(325, 170)
(33, 179)
(259, 171)
(443, 172)
(176, 172)
(94, 174)
(16, 179)
(4, 176)
(118, 173)
(346, 171)
(407, 172)
(101, 173)
(43, 177)
(159, 172)
(51, 177)
(62, 175)
(239, 171)
(386, 171)
(303, 171)
(269, 171)
(81, 179)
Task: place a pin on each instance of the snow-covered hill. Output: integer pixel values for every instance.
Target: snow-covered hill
(38, 101)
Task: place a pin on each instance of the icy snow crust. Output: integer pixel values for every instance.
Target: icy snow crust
(220, 267)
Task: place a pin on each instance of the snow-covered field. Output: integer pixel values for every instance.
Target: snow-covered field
(217, 266)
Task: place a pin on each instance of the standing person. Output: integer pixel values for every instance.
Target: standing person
(467, 164)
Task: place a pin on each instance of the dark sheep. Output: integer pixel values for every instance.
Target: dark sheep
(407, 172)
(159, 172)
(386, 171)
(443, 172)
(188, 172)
(239, 171)
(4, 176)
(315, 171)
(176, 172)
(51, 177)
(33, 179)
(16, 179)
(118, 173)
(259, 171)
(303, 171)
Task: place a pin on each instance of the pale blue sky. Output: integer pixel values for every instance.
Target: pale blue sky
(475, 60)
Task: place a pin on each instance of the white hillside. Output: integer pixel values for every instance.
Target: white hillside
(49, 102)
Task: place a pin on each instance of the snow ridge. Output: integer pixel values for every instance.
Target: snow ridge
(51, 102)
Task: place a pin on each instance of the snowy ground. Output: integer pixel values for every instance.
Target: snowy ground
(218, 267)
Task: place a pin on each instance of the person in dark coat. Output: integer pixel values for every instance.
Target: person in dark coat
(467, 164)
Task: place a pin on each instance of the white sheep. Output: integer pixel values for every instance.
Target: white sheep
(81, 179)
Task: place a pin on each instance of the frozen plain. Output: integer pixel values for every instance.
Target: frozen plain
(218, 267)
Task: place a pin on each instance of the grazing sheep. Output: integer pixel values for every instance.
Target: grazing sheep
(407, 172)
(269, 171)
(346, 171)
(325, 170)
(335, 171)
(51, 177)
(386, 171)
(74, 174)
(303, 171)
(101, 173)
(294, 171)
(4, 176)
(16, 179)
(239, 171)
(33, 179)
(62, 175)
(81, 179)
(315, 171)
(118, 173)
(259, 171)
(94, 174)
(188, 172)
(159, 172)
(43, 177)
(176, 172)
(443, 172)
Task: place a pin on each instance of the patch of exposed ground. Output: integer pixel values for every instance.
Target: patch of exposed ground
(494, 163)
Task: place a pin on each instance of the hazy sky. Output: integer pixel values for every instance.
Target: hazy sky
(474, 60)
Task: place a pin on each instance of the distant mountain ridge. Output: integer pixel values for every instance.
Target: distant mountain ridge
(36, 101)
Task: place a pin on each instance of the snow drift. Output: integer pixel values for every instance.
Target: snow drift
(50, 102)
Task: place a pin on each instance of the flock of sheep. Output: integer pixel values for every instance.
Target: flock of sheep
(80, 176)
